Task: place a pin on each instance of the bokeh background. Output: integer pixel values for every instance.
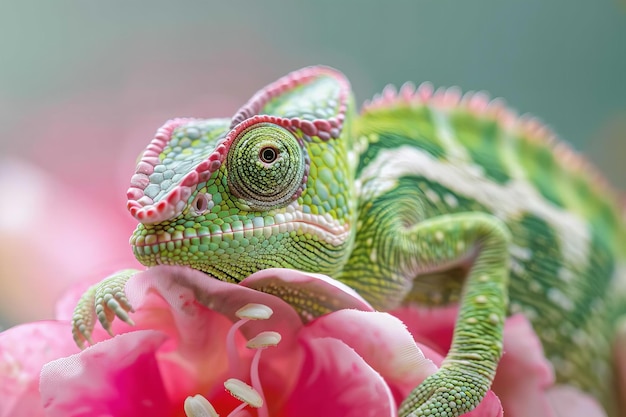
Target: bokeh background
(85, 84)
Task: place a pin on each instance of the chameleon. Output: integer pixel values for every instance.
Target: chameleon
(424, 196)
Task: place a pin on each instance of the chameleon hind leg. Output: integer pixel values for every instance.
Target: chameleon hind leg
(469, 368)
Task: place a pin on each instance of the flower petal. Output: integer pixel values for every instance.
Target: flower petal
(83, 235)
(302, 289)
(117, 377)
(336, 381)
(186, 290)
(568, 401)
(382, 341)
(196, 311)
(524, 373)
(64, 307)
(23, 351)
(432, 327)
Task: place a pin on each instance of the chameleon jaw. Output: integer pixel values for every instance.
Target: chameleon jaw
(330, 232)
(209, 252)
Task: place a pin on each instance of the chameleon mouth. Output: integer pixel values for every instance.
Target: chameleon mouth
(330, 232)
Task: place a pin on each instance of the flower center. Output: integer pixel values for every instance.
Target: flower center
(199, 406)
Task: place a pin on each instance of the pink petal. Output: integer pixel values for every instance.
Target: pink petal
(385, 344)
(64, 308)
(568, 401)
(23, 351)
(336, 381)
(432, 327)
(323, 290)
(382, 341)
(189, 293)
(524, 373)
(83, 235)
(197, 311)
(118, 378)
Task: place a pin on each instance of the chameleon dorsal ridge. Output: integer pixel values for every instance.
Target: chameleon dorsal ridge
(480, 105)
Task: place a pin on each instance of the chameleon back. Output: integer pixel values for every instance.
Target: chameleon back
(425, 154)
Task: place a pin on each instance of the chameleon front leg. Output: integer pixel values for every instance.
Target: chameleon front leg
(104, 300)
(469, 368)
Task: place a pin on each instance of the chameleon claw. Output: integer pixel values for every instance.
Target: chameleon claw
(104, 301)
(111, 301)
(121, 310)
(81, 334)
(82, 319)
(105, 316)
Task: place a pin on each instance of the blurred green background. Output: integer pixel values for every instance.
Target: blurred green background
(84, 84)
(562, 60)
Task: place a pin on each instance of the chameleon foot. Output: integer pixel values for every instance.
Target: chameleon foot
(448, 393)
(105, 300)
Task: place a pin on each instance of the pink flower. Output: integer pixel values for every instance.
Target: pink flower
(352, 361)
(47, 225)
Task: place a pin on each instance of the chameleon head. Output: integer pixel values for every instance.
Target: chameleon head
(271, 187)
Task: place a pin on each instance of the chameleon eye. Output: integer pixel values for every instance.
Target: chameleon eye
(266, 166)
(268, 154)
(200, 204)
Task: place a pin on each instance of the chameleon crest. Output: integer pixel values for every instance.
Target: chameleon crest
(230, 197)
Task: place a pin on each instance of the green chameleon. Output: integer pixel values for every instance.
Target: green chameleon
(427, 197)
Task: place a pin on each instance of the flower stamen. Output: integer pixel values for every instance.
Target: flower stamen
(254, 312)
(260, 342)
(263, 340)
(246, 313)
(243, 392)
(249, 395)
(199, 406)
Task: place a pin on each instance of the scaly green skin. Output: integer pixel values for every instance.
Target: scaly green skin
(421, 195)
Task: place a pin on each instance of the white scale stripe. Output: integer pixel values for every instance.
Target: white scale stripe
(509, 156)
(507, 201)
(323, 226)
(446, 136)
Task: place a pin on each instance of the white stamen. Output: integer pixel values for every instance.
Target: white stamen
(198, 406)
(254, 312)
(243, 392)
(263, 340)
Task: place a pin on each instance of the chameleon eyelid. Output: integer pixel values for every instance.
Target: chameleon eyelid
(200, 204)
